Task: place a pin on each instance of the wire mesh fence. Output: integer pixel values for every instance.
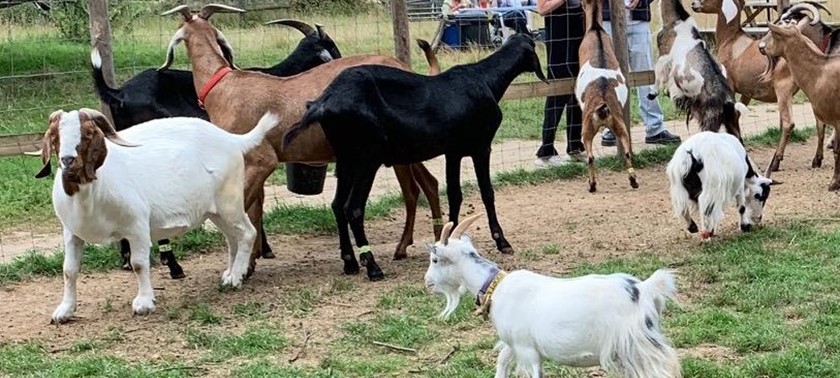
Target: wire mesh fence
(44, 66)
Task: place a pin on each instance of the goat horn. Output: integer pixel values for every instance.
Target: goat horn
(209, 9)
(184, 10)
(105, 126)
(808, 7)
(456, 233)
(321, 32)
(444, 235)
(304, 28)
(36, 153)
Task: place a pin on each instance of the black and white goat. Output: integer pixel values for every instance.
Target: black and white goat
(609, 320)
(374, 115)
(154, 94)
(707, 172)
(691, 76)
(183, 172)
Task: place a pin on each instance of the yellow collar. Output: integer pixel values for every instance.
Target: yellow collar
(485, 297)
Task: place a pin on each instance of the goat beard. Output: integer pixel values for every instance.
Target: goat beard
(73, 177)
(767, 75)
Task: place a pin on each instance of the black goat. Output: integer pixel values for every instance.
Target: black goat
(154, 94)
(374, 115)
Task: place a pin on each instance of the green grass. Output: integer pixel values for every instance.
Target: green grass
(257, 340)
(770, 138)
(33, 360)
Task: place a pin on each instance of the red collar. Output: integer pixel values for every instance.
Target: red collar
(826, 42)
(205, 90)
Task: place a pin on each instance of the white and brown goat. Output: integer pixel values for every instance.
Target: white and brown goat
(601, 91)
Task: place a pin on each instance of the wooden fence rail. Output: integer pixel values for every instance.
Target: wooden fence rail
(13, 145)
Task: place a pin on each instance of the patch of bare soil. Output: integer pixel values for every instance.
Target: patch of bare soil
(616, 221)
(711, 352)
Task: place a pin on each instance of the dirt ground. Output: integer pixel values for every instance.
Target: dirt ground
(615, 221)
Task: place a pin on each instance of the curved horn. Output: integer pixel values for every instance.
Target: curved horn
(209, 9)
(105, 126)
(304, 28)
(444, 235)
(36, 153)
(184, 10)
(456, 233)
(808, 7)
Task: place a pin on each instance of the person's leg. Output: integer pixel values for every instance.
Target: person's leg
(638, 38)
(576, 29)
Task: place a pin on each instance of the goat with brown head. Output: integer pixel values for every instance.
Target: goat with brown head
(235, 99)
(78, 138)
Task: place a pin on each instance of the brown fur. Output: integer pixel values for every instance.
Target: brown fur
(745, 66)
(236, 103)
(815, 73)
(602, 107)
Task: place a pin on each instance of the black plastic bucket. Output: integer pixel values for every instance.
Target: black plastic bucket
(306, 179)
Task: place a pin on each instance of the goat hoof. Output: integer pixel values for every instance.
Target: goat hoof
(506, 250)
(63, 313)
(834, 187)
(633, 183)
(400, 254)
(177, 274)
(351, 267)
(143, 305)
(592, 188)
(816, 163)
(126, 266)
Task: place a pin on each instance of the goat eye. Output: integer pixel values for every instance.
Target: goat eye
(758, 196)
(434, 260)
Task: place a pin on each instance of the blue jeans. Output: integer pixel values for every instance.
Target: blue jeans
(638, 41)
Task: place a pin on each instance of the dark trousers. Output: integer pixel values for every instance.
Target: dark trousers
(564, 29)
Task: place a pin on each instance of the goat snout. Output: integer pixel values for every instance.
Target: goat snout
(67, 161)
(695, 5)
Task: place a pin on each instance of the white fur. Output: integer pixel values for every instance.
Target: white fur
(185, 171)
(723, 179)
(325, 55)
(581, 322)
(95, 58)
(588, 74)
(70, 134)
(690, 81)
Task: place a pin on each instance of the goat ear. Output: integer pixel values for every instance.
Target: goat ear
(170, 50)
(535, 65)
(46, 153)
(730, 10)
(227, 50)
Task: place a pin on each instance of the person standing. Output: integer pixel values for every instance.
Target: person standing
(641, 59)
(564, 29)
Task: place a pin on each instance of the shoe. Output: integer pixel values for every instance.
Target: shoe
(608, 140)
(664, 137)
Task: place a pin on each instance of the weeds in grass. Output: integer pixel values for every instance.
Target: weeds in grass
(257, 340)
(204, 315)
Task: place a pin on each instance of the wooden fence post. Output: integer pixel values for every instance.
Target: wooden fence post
(780, 8)
(100, 37)
(399, 17)
(619, 37)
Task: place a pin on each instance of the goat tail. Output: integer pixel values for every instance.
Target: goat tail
(431, 58)
(639, 349)
(107, 94)
(314, 112)
(256, 136)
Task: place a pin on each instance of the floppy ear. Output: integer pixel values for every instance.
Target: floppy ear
(46, 155)
(170, 50)
(94, 153)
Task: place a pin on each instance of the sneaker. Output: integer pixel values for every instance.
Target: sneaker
(664, 137)
(608, 140)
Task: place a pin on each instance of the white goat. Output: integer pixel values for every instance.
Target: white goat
(607, 320)
(707, 172)
(185, 171)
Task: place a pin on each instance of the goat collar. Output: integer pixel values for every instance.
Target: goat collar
(215, 79)
(485, 295)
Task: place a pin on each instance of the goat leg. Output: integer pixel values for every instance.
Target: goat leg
(363, 177)
(168, 258)
(620, 132)
(429, 185)
(265, 249)
(587, 134)
(818, 155)
(125, 253)
(342, 193)
(481, 163)
(835, 184)
(255, 213)
(410, 191)
(453, 187)
(785, 88)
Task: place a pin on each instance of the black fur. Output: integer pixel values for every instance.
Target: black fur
(374, 115)
(691, 182)
(632, 289)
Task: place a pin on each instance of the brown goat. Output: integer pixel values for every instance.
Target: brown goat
(235, 100)
(814, 72)
(601, 90)
(745, 66)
